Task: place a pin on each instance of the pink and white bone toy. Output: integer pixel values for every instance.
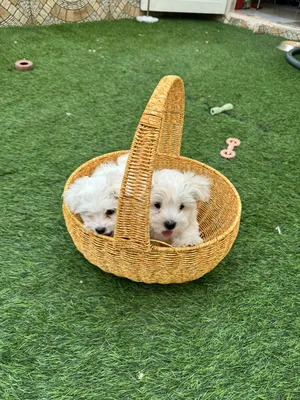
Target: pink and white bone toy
(232, 143)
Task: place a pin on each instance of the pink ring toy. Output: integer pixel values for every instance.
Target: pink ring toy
(232, 143)
(24, 65)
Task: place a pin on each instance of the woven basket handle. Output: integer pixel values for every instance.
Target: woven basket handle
(159, 132)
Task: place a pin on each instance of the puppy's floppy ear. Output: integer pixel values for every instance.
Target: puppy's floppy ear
(73, 196)
(114, 190)
(198, 186)
(122, 160)
(156, 177)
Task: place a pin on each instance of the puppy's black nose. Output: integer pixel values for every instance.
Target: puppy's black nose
(100, 230)
(170, 225)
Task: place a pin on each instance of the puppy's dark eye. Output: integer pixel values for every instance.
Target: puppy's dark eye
(157, 205)
(181, 206)
(110, 212)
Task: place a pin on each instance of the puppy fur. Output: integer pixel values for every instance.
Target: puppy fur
(173, 203)
(173, 211)
(95, 197)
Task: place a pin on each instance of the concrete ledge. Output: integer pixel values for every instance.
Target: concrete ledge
(259, 25)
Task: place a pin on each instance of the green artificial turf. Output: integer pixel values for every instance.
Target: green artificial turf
(69, 330)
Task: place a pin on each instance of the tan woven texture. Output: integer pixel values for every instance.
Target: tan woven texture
(131, 253)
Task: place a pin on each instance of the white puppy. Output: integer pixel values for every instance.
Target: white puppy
(173, 211)
(95, 197)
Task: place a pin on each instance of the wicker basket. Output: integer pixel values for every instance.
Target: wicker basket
(131, 253)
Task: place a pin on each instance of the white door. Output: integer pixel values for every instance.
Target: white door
(186, 6)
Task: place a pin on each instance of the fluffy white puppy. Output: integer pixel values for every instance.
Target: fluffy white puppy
(173, 211)
(95, 197)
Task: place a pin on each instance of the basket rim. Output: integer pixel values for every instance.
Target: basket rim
(168, 249)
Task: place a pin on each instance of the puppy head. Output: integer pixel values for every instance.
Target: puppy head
(111, 168)
(174, 198)
(95, 198)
